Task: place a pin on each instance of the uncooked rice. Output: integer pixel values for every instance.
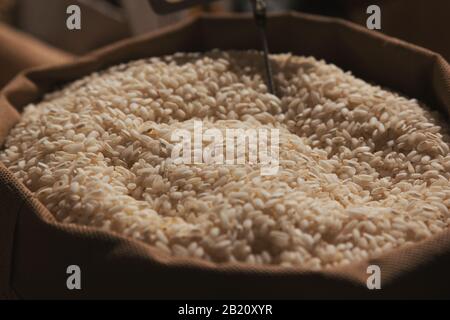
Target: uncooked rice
(362, 170)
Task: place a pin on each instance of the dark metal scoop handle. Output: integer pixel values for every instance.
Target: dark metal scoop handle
(259, 11)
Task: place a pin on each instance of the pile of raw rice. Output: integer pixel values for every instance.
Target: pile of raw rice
(362, 170)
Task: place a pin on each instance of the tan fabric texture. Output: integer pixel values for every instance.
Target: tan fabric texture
(35, 249)
(19, 51)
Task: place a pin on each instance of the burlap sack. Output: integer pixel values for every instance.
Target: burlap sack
(35, 250)
(19, 51)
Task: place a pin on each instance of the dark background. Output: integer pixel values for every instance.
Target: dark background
(33, 32)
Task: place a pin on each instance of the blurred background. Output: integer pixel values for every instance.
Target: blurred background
(33, 32)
